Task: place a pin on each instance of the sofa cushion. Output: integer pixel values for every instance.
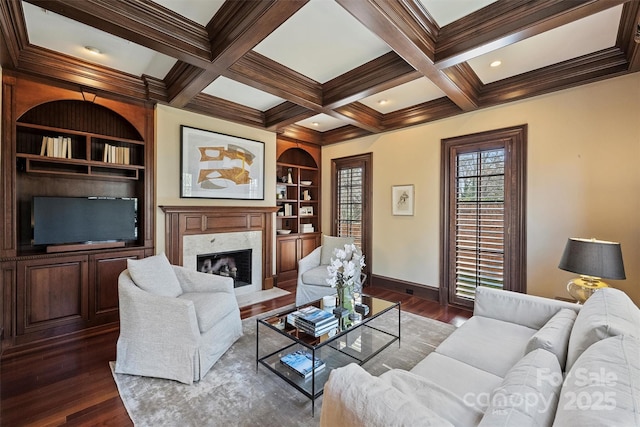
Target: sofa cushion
(211, 307)
(467, 382)
(316, 276)
(488, 344)
(528, 395)
(554, 335)
(603, 386)
(329, 243)
(435, 396)
(155, 275)
(607, 313)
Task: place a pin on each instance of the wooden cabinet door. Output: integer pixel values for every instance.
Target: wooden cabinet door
(308, 244)
(104, 270)
(287, 255)
(51, 296)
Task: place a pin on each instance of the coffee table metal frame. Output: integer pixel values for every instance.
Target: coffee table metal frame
(357, 342)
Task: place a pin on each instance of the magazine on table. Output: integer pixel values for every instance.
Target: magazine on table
(314, 316)
(300, 362)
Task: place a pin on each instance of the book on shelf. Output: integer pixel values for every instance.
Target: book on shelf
(59, 146)
(300, 362)
(113, 154)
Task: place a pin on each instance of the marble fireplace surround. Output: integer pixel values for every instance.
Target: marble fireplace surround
(184, 221)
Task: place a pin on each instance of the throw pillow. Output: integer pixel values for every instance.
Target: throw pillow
(329, 243)
(603, 386)
(554, 335)
(607, 313)
(528, 395)
(155, 275)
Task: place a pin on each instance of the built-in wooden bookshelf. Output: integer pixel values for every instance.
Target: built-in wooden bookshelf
(298, 200)
(54, 143)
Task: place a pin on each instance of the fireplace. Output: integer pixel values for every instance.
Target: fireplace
(234, 264)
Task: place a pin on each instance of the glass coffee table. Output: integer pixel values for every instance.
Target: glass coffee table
(351, 341)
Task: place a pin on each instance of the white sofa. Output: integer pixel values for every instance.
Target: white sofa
(521, 360)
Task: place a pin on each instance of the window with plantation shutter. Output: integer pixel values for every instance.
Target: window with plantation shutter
(483, 211)
(351, 188)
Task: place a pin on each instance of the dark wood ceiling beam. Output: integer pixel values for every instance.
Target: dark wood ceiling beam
(53, 65)
(284, 115)
(301, 133)
(396, 23)
(227, 110)
(262, 73)
(142, 22)
(422, 113)
(574, 72)
(343, 133)
(234, 30)
(629, 25)
(13, 31)
(359, 115)
(506, 22)
(382, 73)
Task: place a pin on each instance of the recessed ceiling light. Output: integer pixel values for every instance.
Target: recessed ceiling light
(495, 64)
(382, 102)
(93, 50)
(315, 124)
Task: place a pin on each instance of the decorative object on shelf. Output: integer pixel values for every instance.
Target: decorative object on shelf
(289, 178)
(592, 259)
(402, 200)
(283, 231)
(306, 195)
(344, 272)
(218, 166)
(305, 182)
(306, 211)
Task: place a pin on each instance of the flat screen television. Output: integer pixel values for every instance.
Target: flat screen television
(66, 220)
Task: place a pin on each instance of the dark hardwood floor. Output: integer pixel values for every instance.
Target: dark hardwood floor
(71, 385)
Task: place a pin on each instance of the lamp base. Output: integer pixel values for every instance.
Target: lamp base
(582, 288)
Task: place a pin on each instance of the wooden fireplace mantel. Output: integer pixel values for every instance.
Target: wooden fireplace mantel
(183, 221)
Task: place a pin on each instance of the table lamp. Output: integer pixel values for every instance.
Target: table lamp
(592, 259)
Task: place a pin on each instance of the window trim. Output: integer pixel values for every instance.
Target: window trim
(514, 140)
(365, 160)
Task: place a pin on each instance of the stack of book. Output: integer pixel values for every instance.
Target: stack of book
(307, 228)
(300, 363)
(313, 321)
(59, 146)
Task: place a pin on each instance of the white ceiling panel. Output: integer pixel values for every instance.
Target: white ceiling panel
(587, 35)
(321, 123)
(199, 11)
(322, 41)
(71, 37)
(242, 94)
(403, 96)
(446, 11)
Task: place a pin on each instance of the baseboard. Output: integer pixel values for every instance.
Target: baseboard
(430, 293)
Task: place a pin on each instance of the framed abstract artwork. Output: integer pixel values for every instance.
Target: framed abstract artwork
(219, 166)
(402, 199)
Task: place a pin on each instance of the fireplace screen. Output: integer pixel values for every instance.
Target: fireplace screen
(234, 264)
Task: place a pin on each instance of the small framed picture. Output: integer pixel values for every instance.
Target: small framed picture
(402, 199)
(306, 211)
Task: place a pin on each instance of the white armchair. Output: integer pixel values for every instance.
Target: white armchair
(312, 270)
(175, 323)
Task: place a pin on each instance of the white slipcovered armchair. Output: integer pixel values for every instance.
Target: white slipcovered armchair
(175, 323)
(313, 273)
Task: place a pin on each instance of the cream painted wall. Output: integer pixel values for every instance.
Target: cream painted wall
(583, 181)
(167, 161)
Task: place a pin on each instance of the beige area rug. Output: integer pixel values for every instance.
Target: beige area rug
(233, 393)
(256, 297)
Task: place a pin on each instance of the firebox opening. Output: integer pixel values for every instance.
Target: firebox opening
(234, 264)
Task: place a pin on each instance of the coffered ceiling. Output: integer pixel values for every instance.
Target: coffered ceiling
(322, 71)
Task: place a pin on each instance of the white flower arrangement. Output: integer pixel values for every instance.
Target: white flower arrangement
(345, 265)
